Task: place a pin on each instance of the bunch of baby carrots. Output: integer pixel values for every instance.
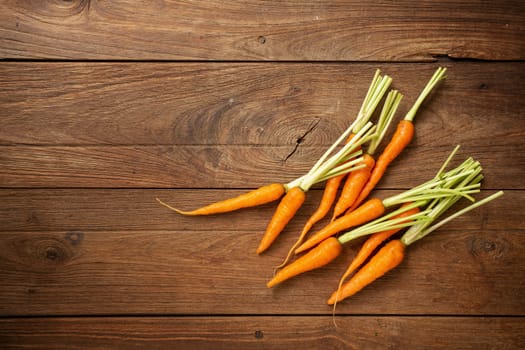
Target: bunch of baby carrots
(354, 213)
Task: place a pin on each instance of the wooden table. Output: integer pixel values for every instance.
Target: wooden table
(107, 105)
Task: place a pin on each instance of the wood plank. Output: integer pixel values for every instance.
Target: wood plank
(124, 209)
(231, 166)
(354, 332)
(453, 272)
(249, 30)
(76, 103)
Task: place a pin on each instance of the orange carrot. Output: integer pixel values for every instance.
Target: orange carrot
(329, 194)
(401, 138)
(286, 210)
(321, 255)
(372, 209)
(385, 260)
(262, 195)
(353, 186)
(373, 242)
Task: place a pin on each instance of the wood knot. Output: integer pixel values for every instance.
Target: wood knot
(258, 334)
(483, 86)
(65, 8)
(51, 252)
(481, 247)
(261, 39)
(41, 253)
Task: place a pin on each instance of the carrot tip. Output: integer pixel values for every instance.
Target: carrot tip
(182, 212)
(270, 284)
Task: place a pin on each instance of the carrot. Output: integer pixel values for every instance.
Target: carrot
(262, 195)
(385, 260)
(286, 210)
(329, 194)
(353, 186)
(371, 209)
(321, 255)
(375, 240)
(401, 138)
(357, 179)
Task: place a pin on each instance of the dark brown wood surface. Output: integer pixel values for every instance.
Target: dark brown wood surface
(253, 30)
(107, 105)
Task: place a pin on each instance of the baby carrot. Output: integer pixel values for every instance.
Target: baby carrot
(353, 185)
(357, 179)
(371, 209)
(373, 242)
(286, 210)
(329, 194)
(321, 255)
(374, 207)
(387, 258)
(322, 170)
(262, 195)
(401, 138)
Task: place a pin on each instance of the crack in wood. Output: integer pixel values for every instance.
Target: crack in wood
(301, 138)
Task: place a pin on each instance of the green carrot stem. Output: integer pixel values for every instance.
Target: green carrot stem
(319, 172)
(384, 226)
(408, 239)
(375, 93)
(393, 99)
(440, 206)
(436, 78)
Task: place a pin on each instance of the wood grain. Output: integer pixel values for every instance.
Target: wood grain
(249, 30)
(455, 271)
(107, 105)
(354, 332)
(43, 210)
(100, 103)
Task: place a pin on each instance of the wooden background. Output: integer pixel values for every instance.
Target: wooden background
(106, 105)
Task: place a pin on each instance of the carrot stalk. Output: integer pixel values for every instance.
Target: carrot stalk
(315, 258)
(401, 138)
